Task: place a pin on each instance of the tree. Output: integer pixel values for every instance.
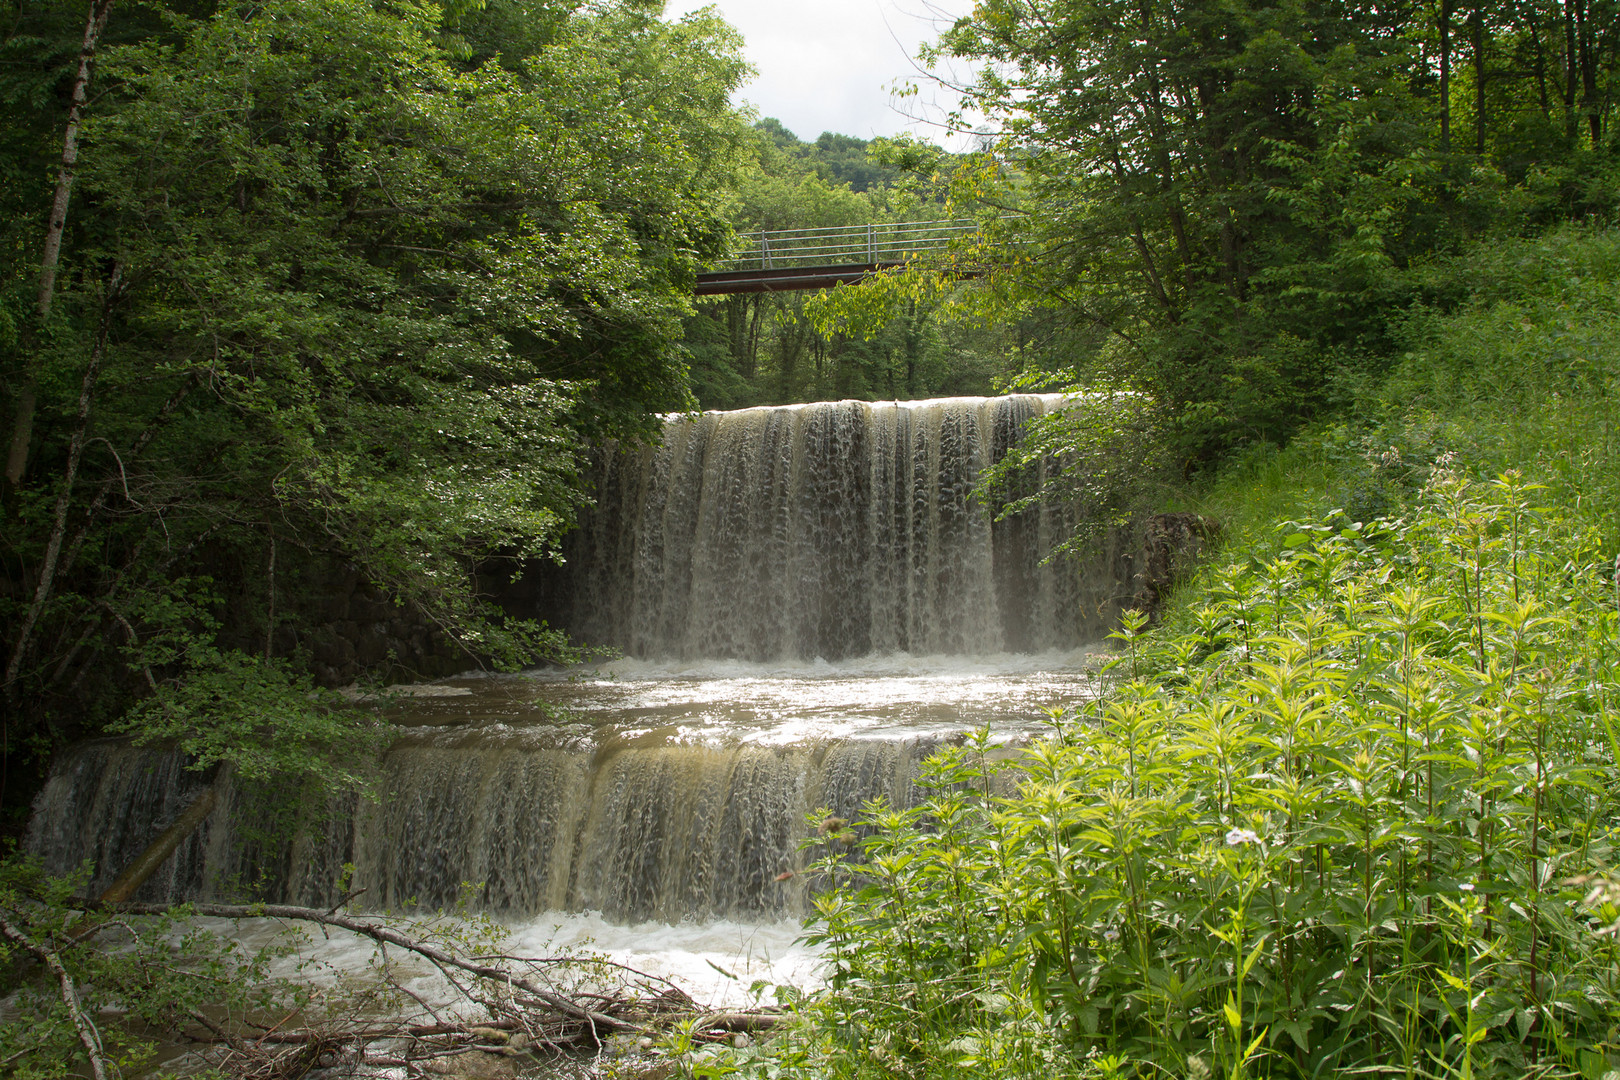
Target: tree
(1227, 206)
(346, 282)
(1223, 191)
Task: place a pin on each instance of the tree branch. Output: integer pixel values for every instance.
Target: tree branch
(70, 997)
(598, 1022)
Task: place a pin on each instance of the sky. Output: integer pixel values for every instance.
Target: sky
(831, 65)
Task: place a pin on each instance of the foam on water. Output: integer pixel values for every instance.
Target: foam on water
(721, 963)
(776, 703)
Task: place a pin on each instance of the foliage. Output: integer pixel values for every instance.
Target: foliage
(1325, 825)
(838, 160)
(1520, 372)
(1101, 452)
(160, 973)
(1229, 208)
(345, 289)
(1341, 810)
(777, 348)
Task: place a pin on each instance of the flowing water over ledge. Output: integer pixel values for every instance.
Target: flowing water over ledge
(639, 791)
(646, 810)
(813, 601)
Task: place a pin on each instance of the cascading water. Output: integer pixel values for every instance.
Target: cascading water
(830, 530)
(810, 602)
(664, 830)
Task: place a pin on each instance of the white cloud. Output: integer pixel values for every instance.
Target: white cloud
(832, 65)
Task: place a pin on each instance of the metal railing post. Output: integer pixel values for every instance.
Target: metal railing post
(765, 250)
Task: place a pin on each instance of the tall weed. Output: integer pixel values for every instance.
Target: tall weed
(1331, 817)
(1329, 828)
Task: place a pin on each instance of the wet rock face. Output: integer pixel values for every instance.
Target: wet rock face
(357, 630)
(1172, 544)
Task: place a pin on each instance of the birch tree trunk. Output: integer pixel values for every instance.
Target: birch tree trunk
(22, 429)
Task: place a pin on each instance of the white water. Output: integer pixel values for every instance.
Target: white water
(811, 602)
(720, 963)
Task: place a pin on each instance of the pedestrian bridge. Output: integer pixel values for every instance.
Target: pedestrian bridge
(783, 260)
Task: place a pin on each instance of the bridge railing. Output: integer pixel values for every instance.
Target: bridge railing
(871, 245)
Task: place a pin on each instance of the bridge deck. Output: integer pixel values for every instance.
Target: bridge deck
(782, 260)
(785, 280)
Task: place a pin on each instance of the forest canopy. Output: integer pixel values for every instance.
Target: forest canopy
(328, 284)
(1233, 207)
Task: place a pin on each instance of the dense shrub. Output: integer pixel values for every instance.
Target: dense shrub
(1330, 823)
(1341, 813)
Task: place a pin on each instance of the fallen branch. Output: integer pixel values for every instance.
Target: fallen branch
(88, 1038)
(158, 851)
(739, 1021)
(598, 1022)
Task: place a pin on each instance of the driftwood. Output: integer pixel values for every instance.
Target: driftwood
(520, 1012)
(598, 1021)
(524, 1015)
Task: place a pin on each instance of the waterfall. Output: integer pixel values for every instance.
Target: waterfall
(635, 832)
(797, 535)
(828, 530)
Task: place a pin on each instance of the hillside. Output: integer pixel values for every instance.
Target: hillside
(1348, 808)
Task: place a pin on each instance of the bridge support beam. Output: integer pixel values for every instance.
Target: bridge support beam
(790, 280)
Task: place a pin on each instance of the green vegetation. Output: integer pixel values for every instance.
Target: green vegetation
(164, 971)
(1340, 811)
(296, 288)
(339, 285)
(1233, 207)
(772, 349)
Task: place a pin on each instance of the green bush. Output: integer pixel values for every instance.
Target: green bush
(131, 980)
(1328, 824)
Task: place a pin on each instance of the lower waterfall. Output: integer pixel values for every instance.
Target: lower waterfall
(634, 833)
(638, 791)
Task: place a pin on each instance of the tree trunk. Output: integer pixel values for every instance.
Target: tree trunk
(22, 429)
(1571, 70)
(158, 851)
(1588, 55)
(1445, 76)
(64, 499)
(1541, 62)
(1476, 22)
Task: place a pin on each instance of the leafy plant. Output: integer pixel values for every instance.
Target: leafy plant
(1327, 825)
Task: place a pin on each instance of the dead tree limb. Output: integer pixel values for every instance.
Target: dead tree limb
(88, 1038)
(598, 1022)
(738, 1021)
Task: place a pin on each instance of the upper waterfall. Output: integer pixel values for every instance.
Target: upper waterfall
(826, 530)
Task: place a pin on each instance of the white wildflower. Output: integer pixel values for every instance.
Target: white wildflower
(1236, 837)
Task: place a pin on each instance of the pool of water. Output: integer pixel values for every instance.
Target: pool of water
(728, 702)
